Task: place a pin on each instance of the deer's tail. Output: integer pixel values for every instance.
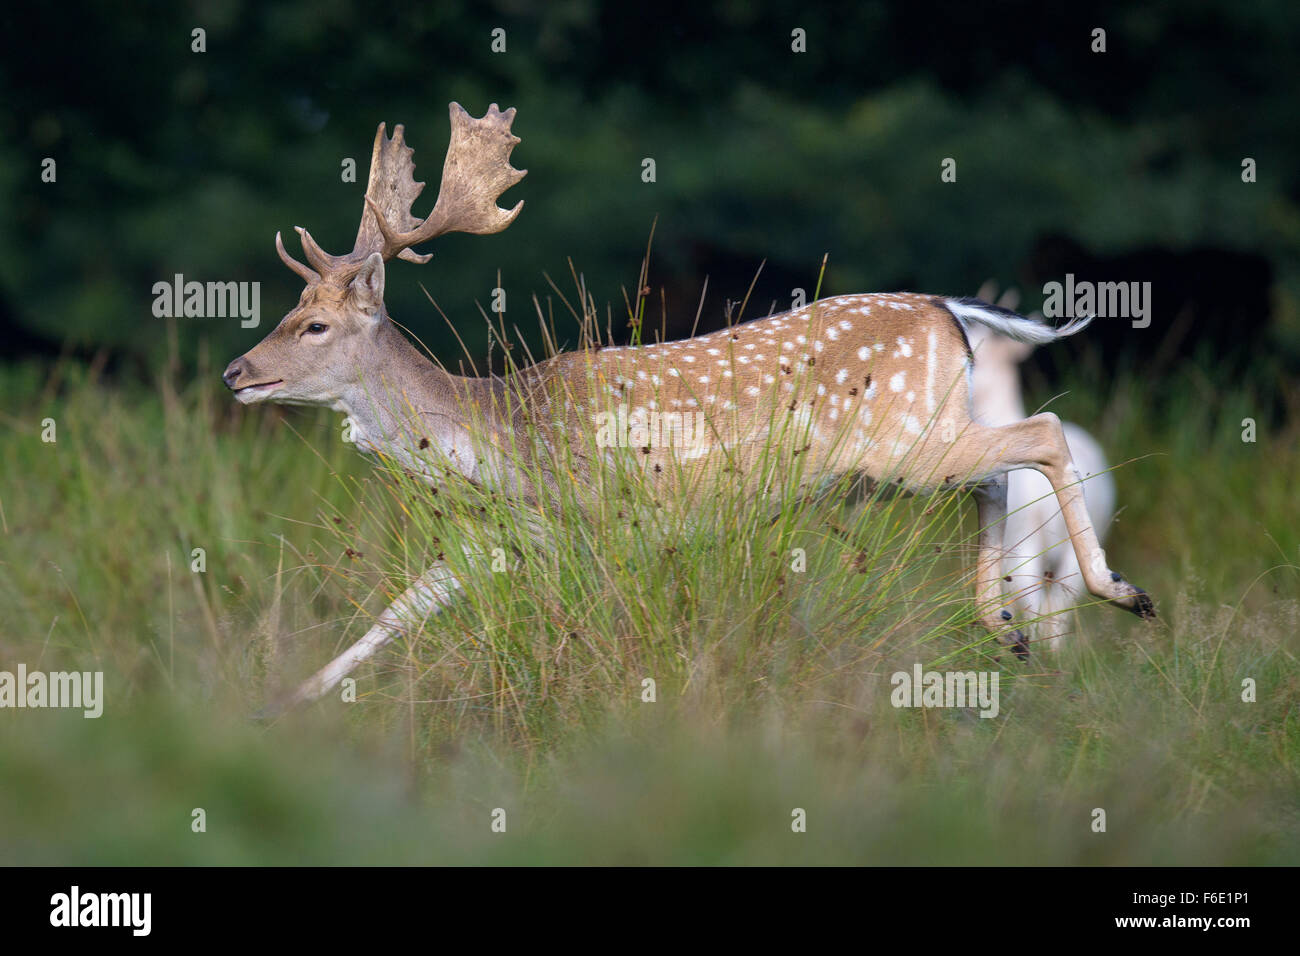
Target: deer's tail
(1014, 326)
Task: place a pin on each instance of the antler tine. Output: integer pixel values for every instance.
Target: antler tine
(320, 260)
(391, 239)
(303, 272)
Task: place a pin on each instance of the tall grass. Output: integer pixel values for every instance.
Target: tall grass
(771, 684)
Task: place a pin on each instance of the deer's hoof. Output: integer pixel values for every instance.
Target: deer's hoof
(1019, 645)
(1142, 605)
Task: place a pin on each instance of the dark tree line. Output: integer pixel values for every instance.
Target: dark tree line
(1124, 164)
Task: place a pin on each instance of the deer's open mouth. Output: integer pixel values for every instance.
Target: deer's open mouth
(249, 392)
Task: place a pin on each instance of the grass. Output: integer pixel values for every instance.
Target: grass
(772, 685)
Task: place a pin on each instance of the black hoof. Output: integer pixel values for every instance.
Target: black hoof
(1020, 645)
(1143, 606)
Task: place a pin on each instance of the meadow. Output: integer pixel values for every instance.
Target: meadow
(771, 684)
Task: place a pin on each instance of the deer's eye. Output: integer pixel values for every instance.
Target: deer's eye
(316, 328)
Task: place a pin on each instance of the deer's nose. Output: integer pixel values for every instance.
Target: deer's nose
(232, 373)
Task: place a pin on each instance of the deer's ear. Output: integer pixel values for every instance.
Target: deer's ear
(368, 286)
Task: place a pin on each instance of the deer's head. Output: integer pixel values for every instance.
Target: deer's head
(337, 332)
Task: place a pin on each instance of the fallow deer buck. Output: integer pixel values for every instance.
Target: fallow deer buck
(871, 385)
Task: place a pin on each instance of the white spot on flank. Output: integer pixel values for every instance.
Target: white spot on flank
(864, 353)
(896, 382)
(904, 347)
(841, 376)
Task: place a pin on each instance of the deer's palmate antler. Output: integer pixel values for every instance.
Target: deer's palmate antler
(874, 385)
(477, 171)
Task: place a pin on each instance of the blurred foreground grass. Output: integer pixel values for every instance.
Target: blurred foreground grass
(97, 532)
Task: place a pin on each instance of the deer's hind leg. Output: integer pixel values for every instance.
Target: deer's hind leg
(1039, 443)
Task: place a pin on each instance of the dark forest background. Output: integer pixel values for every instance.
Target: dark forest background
(1121, 166)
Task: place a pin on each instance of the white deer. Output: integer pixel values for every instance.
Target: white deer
(869, 385)
(1040, 564)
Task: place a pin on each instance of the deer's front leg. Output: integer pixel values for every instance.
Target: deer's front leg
(991, 502)
(430, 592)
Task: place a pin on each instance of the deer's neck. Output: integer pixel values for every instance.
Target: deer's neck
(405, 407)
